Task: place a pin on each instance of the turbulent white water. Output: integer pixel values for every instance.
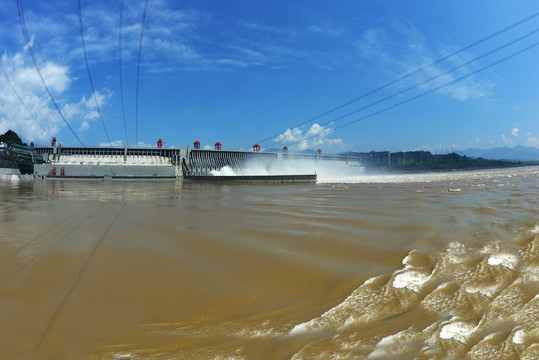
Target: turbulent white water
(482, 299)
(340, 173)
(325, 170)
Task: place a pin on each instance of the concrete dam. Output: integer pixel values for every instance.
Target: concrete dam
(163, 163)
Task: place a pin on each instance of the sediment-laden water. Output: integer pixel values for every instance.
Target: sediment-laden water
(429, 266)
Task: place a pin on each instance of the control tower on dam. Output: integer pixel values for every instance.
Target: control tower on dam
(160, 163)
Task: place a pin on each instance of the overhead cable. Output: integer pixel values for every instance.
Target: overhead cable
(432, 78)
(348, 65)
(138, 65)
(420, 95)
(120, 68)
(90, 74)
(32, 55)
(411, 73)
(20, 99)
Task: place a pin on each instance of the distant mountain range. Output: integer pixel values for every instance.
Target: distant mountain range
(517, 153)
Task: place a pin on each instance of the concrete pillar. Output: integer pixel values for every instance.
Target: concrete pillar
(188, 155)
(53, 155)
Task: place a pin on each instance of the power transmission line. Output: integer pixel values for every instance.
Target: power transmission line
(441, 16)
(422, 94)
(90, 74)
(32, 55)
(138, 64)
(20, 99)
(120, 68)
(432, 78)
(410, 73)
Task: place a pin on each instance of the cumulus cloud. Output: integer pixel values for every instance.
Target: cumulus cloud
(514, 132)
(25, 107)
(316, 136)
(84, 126)
(56, 75)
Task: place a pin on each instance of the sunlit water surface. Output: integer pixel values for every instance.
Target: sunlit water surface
(440, 265)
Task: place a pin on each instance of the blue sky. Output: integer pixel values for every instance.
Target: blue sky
(246, 72)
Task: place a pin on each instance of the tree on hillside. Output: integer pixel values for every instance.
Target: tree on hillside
(10, 137)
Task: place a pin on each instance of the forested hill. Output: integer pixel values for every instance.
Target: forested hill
(10, 137)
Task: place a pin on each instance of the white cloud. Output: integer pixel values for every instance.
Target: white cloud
(174, 38)
(56, 77)
(88, 105)
(514, 132)
(289, 135)
(142, 144)
(30, 43)
(116, 143)
(265, 28)
(469, 89)
(32, 119)
(507, 141)
(168, 33)
(26, 108)
(374, 43)
(327, 29)
(315, 137)
(84, 126)
(400, 49)
(232, 62)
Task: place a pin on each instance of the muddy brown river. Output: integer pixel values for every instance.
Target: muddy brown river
(427, 266)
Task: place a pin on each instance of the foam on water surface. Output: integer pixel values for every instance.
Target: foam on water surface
(510, 261)
(483, 288)
(457, 330)
(412, 280)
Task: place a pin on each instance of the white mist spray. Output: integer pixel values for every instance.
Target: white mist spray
(327, 171)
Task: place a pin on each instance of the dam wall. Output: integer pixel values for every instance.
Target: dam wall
(202, 162)
(116, 162)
